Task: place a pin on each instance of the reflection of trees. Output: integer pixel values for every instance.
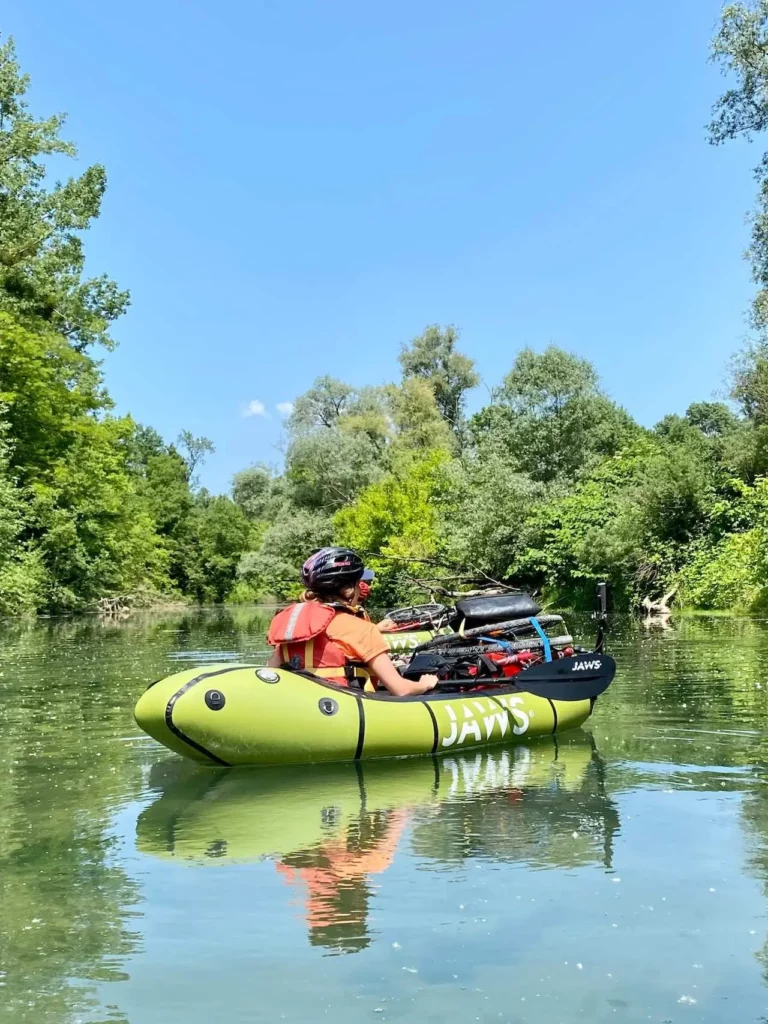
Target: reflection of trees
(686, 704)
(688, 695)
(755, 816)
(66, 904)
(241, 629)
(63, 927)
(203, 631)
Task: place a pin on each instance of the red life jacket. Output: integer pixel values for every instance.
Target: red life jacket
(299, 632)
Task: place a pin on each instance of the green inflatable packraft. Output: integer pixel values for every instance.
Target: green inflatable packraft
(250, 715)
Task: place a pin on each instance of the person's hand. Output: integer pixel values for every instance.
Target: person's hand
(428, 682)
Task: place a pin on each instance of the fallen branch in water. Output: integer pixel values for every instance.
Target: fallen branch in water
(119, 605)
(660, 607)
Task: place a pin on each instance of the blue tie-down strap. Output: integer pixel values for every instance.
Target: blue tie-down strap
(504, 644)
(544, 638)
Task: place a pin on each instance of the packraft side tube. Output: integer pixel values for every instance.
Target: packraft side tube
(249, 715)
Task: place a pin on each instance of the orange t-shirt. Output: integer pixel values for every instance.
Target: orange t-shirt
(359, 639)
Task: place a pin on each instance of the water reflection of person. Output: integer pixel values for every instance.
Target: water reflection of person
(335, 877)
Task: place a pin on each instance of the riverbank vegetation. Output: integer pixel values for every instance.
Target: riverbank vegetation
(550, 485)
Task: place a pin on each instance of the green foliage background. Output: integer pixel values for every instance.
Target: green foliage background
(550, 485)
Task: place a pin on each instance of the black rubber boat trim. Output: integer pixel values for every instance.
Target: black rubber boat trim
(170, 831)
(509, 715)
(361, 785)
(435, 730)
(180, 693)
(361, 730)
(383, 696)
(436, 766)
(554, 712)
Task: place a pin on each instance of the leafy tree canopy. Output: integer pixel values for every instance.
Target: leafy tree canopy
(41, 249)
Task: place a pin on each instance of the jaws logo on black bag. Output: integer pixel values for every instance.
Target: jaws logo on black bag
(587, 666)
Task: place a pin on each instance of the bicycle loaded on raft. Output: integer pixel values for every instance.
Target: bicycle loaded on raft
(490, 670)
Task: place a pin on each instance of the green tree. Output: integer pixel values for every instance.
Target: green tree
(370, 414)
(321, 405)
(727, 567)
(165, 486)
(47, 389)
(554, 418)
(484, 529)
(745, 447)
(327, 469)
(95, 534)
(90, 505)
(740, 47)
(713, 419)
(145, 443)
(416, 415)
(745, 452)
(399, 518)
(253, 491)
(749, 382)
(22, 576)
(273, 568)
(41, 251)
(195, 451)
(433, 356)
(203, 537)
(631, 521)
(215, 538)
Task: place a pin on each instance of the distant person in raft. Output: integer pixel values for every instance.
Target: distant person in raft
(364, 588)
(327, 632)
(364, 591)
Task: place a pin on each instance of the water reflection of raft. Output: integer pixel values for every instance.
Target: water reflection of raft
(238, 817)
(243, 714)
(334, 830)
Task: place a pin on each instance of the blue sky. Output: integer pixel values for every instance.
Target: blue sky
(297, 188)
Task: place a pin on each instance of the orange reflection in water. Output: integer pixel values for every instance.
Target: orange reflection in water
(334, 878)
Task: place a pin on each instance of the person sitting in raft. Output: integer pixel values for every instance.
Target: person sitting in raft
(327, 634)
(364, 591)
(364, 586)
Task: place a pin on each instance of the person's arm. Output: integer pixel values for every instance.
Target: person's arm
(275, 660)
(383, 669)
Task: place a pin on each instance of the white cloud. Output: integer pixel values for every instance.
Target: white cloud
(255, 408)
(285, 408)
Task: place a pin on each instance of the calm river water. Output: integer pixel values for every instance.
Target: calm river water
(619, 875)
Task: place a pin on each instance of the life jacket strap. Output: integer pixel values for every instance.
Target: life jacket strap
(328, 673)
(359, 676)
